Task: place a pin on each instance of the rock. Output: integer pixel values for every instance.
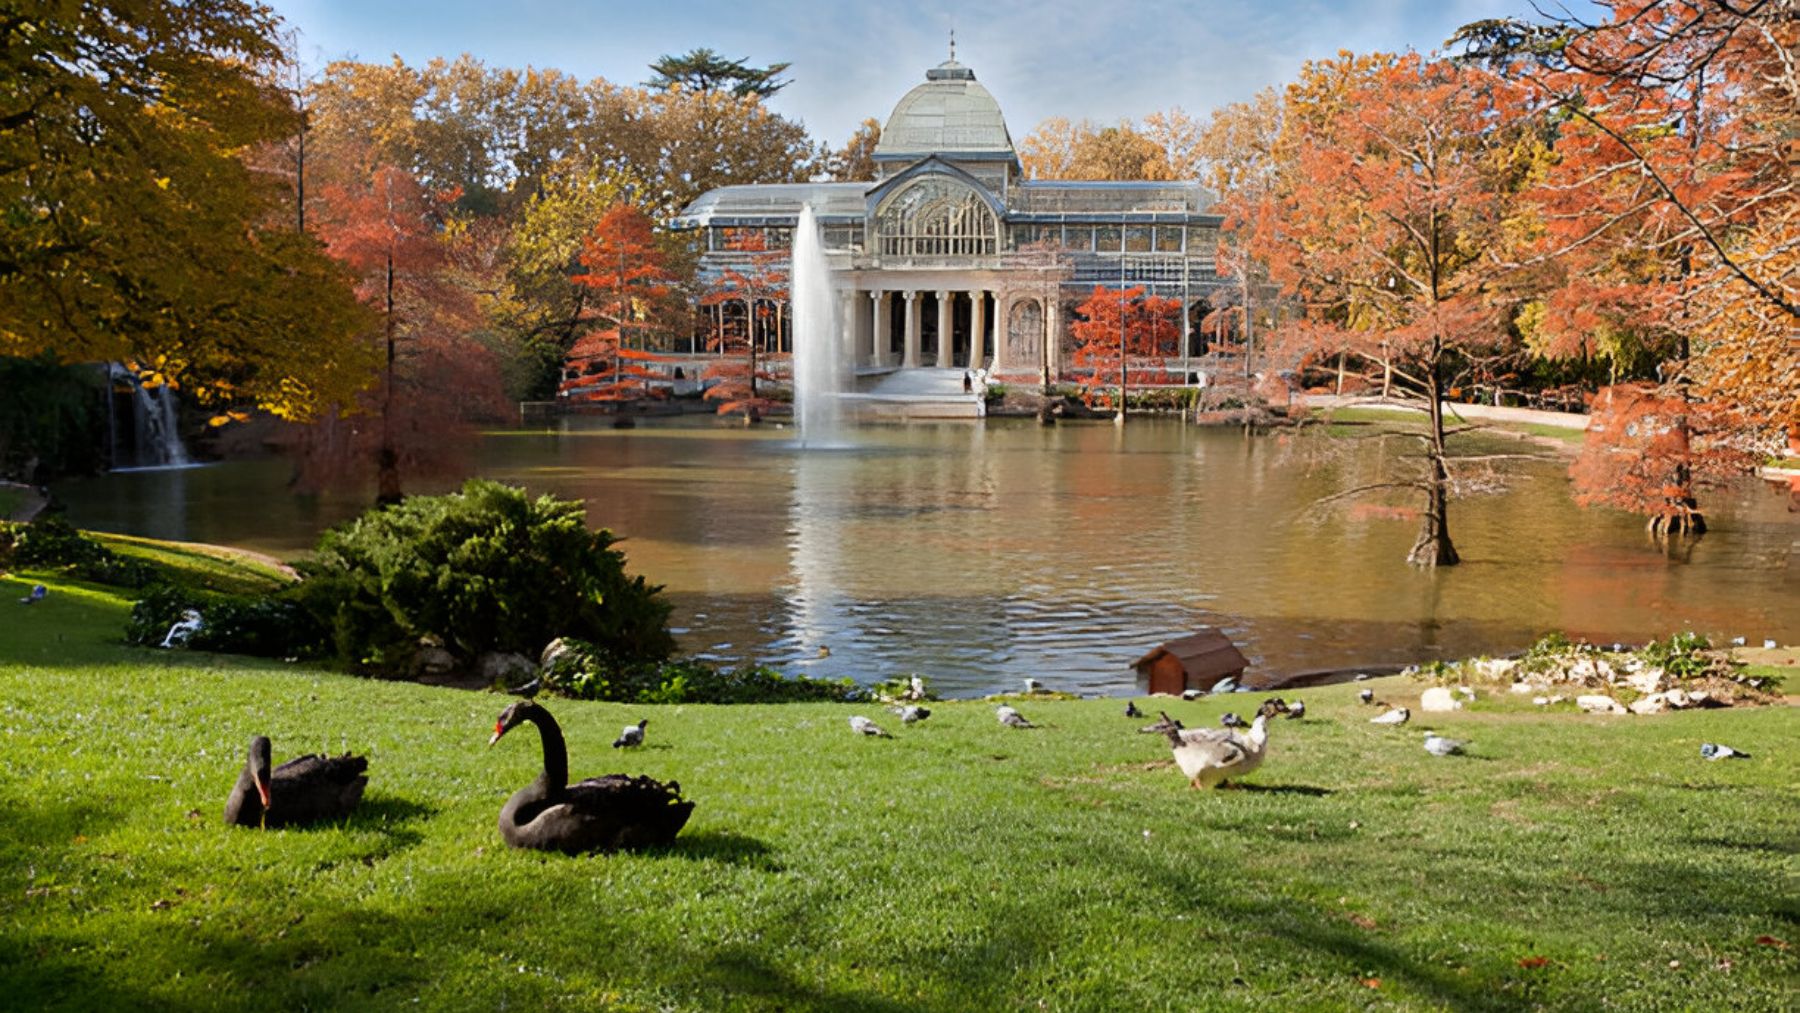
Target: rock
(1541, 701)
(1594, 703)
(1439, 698)
(505, 668)
(1650, 680)
(1521, 688)
(1678, 699)
(1495, 668)
(1654, 703)
(432, 660)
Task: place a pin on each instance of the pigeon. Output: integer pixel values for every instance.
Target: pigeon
(1012, 718)
(1737, 641)
(1768, 644)
(1230, 720)
(37, 594)
(1190, 694)
(1716, 751)
(916, 688)
(1033, 686)
(1366, 696)
(1225, 685)
(910, 714)
(528, 689)
(1360, 677)
(1297, 709)
(863, 726)
(1437, 745)
(1397, 716)
(633, 735)
(1163, 725)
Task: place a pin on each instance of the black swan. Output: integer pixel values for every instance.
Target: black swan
(598, 814)
(308, 789)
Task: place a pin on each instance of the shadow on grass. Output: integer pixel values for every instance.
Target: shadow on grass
(1285, 789)
(724, 847)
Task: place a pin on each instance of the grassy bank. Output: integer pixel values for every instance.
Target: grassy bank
(1572, 862)
(1342, 421)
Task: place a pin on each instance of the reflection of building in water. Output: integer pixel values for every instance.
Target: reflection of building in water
(950, 258)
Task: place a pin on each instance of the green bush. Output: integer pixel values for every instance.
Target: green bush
(584, 673)
(51, 543)
(486, 569)
(264, 626)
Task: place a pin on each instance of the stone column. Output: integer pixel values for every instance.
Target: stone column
(910, 357)
(977, 327)
(880, 336)
(945, 319)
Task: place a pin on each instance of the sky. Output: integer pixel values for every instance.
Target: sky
(852, 60)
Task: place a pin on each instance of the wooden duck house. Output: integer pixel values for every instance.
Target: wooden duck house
(1196, 661)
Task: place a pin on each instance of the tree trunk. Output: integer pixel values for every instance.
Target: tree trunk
(1433, 546)
(387, 459)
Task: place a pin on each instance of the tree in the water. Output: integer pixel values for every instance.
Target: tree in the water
(758, 281)
(629, 276)
(1647, 452)
(1390, 225)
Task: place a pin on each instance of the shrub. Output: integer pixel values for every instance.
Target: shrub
(263, 626)
(51, 543)
(584, 673)
(486, 569)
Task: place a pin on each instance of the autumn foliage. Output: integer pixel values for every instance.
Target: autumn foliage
(1126, 329)
(1648, 452)
(629, 277)
(759, 283)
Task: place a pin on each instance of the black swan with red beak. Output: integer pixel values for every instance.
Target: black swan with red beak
(309, 789)
(598, 814)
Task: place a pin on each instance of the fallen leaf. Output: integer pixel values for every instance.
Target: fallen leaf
(1534, 962)
(1363, 922)
(1371, 982)
(1780, 944)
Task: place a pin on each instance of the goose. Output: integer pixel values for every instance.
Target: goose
(1210, 756)
(1011, 718)
(863, 726)
(633, 735)
(307, 789)
(598, 814)
(1397, 716)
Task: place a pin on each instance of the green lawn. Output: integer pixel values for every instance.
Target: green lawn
(1343, 421)
(961, 865)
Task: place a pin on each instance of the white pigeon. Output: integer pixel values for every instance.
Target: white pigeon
(1718, 751)
(1033, 686)
(1437, 745)
(633, 735)
(910, 714)
(1297, 709)
(1366, 696)
(1768, 644)
(1397, 716)
(1011, 718)
(863, 726)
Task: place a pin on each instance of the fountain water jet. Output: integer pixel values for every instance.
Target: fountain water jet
(821, 370)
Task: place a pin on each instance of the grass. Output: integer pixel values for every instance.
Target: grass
(1344, 421)
(10, 501)
(211, 567)
(960, 865)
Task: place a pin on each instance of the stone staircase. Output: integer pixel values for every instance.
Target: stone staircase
(920, 393)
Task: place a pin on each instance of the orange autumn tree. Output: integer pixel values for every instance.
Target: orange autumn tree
(759, 281)
(1118, 328)
(1390, 224)
(436, 382)
(1672, 212)
(630, 276)
(1648, 450)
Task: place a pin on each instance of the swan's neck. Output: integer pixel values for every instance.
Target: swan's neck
(556, 755)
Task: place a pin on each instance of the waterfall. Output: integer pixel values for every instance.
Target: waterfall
(154, 437)
(821, 371)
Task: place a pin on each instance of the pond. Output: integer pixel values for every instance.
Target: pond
(979, 554)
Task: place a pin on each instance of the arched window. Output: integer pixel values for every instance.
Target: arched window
(936, 217)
